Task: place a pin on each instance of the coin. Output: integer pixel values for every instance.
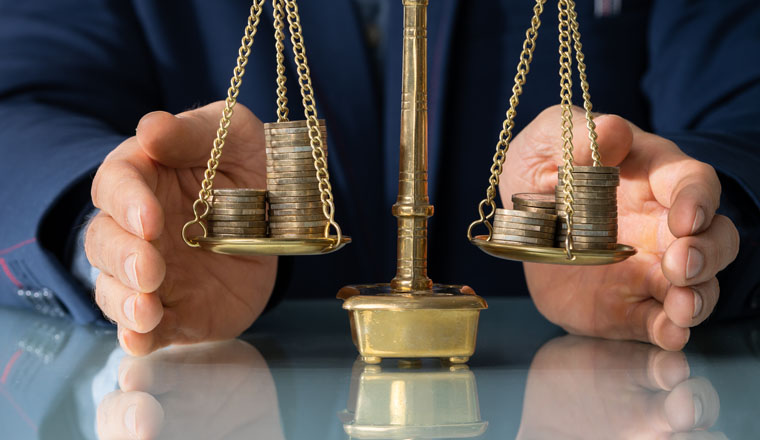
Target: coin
(591, 227)
(591, 202)
(538, 210)
(290, 125)
(308, 173)
(595, 170)
(296, 218)
(309, 167)
(522, 239)
(240, 231)
(313, 230)
(224, 235)
(592, 246)
(533, 199)
(224, 211)
(237, 199)
(580, 195)
(238, 224)
(302, 139)
(595, 183)
(226, 205)
(312, 178)
(273, 158)
(297, 224)
(295, 205)
(585, 239)
(601, 190)
(535, 215)
(296, 212)
(523, 233)
(524, 227)
(590, 233)
(525, 220)
(240, 192)
(236, 218)
(592, 176)
(594, 220)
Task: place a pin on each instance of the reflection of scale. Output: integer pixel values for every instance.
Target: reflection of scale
(409, 317)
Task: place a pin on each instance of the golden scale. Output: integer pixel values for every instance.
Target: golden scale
(410, 317)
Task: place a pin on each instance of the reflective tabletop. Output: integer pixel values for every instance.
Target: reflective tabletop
(295, 376)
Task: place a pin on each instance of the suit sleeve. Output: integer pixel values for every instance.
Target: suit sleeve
(703, 83)
(75, 77)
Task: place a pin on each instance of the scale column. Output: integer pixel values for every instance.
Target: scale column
(412, 206)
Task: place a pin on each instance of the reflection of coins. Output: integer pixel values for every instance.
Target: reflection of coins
(545, 201)
(523, 233)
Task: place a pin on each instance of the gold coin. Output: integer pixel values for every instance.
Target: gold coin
(297, 224)
(595, 183)
(580, 196)
(290, 212)
(227, 205)
(290, 149)
(296, 139)
(236, 218)
(591, 227)
(533, 199)
(240, 192)
(241, 231)
(538, 210)
(535, 215)
(524, 227)
(601, 190)
(595, 170)
(277, 200)
(309, 166)
(293, 174)
(237, 200)
(522, 239)
(584, 239)
(274, 158)
(296, 218)
(524, 220)
(523, 233)
(238, 224)
(223, 211)
(296, 205)
(291, 180)
(291, 125)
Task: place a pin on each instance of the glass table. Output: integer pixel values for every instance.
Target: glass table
(295, 376)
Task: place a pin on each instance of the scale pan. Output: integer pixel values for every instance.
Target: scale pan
(552, 255)
(271, 246)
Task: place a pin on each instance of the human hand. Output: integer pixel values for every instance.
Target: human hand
(205, 391)
(666, 210)
(591, 388)
(157, 289)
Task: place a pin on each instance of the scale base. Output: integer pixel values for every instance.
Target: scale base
(439, 323)
(272, 246)
(552, 255)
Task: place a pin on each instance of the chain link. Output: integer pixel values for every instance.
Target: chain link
(505, 136)
(278, 7)
(595, 155)
(310, 113)
(224, 124)
(566, 95)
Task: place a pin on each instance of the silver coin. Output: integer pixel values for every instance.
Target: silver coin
(589, 232)
(594, 220)
(274, 158)
(580, 196)
(297, 224)
(241, 231)
(279, 200)
(524, 227)
(238, 224)
(309, 168)
(591, 176)
(226, 205)
(590, 227)
(236, 218)
(295, 205)
(538, 210)
(523, 233)
(237, 199)
(291, 180)
(535, 215)
(296, 218)
(600, 190)
(313, 231)
(223, 211)
(282, 139)
(592, 203)
(524, 220)
(304, 174)
(290, 125)
(595, 170)
(296, 212)
(595, 183)
(533, 199)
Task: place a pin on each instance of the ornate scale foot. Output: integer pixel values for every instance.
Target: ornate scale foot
(373, 360)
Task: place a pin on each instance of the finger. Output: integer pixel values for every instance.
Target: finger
(696, 259)
(131, 415)
(137, 311)
(141, 344)
(693, 404)
(691, 305)
(121, 189)
(134, 261)
(614, 139)
(650, 324)
(666, 369)
(184, 140)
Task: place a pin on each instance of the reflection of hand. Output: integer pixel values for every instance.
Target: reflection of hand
(666, 205)
(159, 290)
(595, 389)
(206, 391)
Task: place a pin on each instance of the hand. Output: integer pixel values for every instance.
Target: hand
(595, 389)
(206, 391)
(666, 210)
(157, 289)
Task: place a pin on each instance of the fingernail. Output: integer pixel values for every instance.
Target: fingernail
(129, 308)
(133, 218)
(697, 304)
(694, 262)
(130, 420)
(697, 411)
(130, 268)
(699, 218)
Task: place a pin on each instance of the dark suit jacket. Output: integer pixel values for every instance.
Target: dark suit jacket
(76, 76)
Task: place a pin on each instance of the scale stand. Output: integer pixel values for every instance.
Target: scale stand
(411, 317)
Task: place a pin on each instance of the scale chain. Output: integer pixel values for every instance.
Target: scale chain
(244, 52)
(505, 136)
(566, 95)
(278, 7)
(310, 112)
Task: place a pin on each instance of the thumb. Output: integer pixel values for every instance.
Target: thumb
(614, 138)
(186, 139)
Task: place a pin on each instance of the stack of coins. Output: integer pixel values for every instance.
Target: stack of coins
(595, 208)
(295, 209)
(238, 213)
(541, 203)
(524, 227)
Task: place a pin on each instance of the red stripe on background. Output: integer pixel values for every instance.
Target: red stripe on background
(16, 246)
(9, 274)
(9, 365)
(18, 409)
